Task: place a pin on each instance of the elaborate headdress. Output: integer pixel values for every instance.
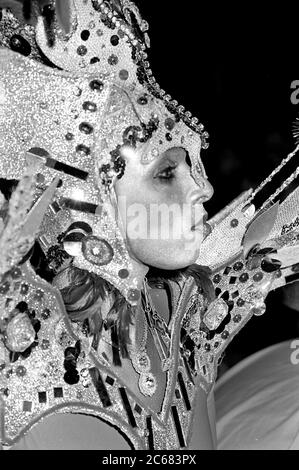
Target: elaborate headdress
(91, 94)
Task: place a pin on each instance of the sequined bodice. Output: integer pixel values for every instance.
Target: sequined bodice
(42, 382)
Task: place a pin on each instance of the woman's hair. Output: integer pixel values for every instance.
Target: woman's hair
(84, 293)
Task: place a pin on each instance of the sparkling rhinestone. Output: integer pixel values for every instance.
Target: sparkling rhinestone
(258, 277)
(234, 223)
(78, 91)
(96, 85)
(24, 289)
(84, 373)
(123, 273)
(258, 311)
(169, 124)
(114, 40)
(21, 371)
(83, 150)
(85, 35)
(244, 277)
(225, 334)
(142, 100)
(94, 60)
(69, 136)
(133, 294)
(113, 59)
(124, 74)
(90, 106)
(45, 344)
(16, 273)
(4, 287)
(238, 266)
(168, 137)
(82, 50)
(217, 279)
(46, 313)
(39, 294)
(86, 128)
(237, 318)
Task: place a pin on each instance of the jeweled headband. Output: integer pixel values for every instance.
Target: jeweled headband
(109, 99)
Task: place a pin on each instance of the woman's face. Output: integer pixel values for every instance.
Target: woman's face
(161, 208)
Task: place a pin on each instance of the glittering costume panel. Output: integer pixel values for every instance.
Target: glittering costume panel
(39, 381)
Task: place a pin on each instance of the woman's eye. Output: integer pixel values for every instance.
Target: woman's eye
(166, 174)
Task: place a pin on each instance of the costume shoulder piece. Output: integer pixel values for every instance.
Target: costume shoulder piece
(249, 252)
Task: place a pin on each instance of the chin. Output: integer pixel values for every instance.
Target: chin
(178, 260)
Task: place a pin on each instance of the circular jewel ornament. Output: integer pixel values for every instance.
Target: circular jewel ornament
(97, 250)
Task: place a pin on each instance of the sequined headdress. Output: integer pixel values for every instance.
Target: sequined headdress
(74, 101)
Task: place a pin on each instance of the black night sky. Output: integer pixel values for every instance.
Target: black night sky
(232, 67)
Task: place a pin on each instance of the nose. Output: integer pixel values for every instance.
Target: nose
(202, 191)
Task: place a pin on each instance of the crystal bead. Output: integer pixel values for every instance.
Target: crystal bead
(217, 279)
(258, 311)
(225, 334)
(85, 34)
(96, 85)
(258, 277)
(133, 294)
(114, 40)
(169, 124)
(45, 344)
(234, 223)
(16, 273)
(4, 288)
(83, 150)
(240, 302)
(123, 273)
(85, 128)
(46, 313)
(113, 59)
(123, 74)
(238, 266)
(69, 136)
(82, 50)
(244, 277)
(21, 371)
(90, 106)
(24, 289)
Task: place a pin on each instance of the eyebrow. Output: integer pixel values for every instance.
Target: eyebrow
(164, 158)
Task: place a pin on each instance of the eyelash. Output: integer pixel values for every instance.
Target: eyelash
(170, 170)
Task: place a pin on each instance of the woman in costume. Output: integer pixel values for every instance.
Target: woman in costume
(99, 317)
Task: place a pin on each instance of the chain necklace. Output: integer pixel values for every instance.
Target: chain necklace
(140, 360)
(158, 329)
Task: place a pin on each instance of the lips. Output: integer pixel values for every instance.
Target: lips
(200, 223)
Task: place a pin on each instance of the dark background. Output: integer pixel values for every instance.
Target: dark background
(232, 67)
